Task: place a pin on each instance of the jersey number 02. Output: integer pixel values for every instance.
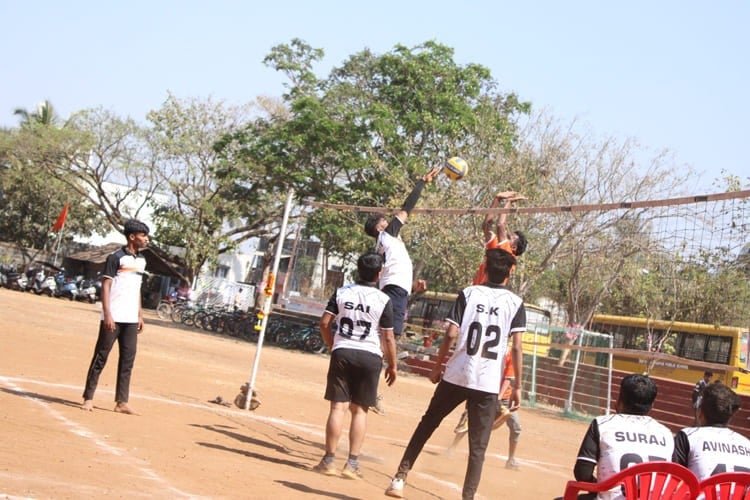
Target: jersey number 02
(474, 340)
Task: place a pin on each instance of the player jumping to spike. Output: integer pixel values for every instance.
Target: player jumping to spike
(513, 243)
(397, 278)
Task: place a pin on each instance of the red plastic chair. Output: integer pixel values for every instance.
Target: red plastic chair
(646, 481)
(727, 486)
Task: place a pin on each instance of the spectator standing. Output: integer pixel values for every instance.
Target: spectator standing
(696, 395)
(122, 316)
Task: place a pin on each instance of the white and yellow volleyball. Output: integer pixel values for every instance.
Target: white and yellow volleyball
(456, 168)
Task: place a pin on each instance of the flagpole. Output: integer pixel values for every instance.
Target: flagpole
(59, 241)
(59, 227)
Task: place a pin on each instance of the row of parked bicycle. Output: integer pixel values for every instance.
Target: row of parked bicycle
(288, 332)
(46, 279)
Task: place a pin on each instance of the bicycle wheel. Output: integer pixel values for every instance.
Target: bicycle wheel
(315, 344)
(218, 322)
(176, 314)
(188, 317)
(202, 320)
(164, 310)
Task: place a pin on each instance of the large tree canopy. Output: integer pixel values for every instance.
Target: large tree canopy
(362, 134)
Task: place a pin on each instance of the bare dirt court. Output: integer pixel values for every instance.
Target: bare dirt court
(183, 446)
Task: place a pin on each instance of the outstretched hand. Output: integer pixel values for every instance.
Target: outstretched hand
(510, 196)
(429, 176)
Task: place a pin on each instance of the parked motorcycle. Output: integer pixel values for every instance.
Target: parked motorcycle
(42, 283)
(65, 287)
(10, 278)
(86, 289)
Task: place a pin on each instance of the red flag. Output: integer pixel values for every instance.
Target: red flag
(60, 222)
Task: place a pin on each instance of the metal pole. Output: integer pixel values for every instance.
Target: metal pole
(609, 373)
(569, 403)
(269, 296)
(532, 392)
(59, 241)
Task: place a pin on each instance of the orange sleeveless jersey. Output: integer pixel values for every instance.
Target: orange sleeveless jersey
(481, 275)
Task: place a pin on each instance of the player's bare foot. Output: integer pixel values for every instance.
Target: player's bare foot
(88, 405)
(124, 408)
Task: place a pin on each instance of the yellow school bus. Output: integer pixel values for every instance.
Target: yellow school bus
(692, 344)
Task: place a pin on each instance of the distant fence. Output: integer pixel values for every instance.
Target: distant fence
(673, 405)
(222, 293)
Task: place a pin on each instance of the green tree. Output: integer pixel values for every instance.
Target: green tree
(207, 210)
(362, 134)
(32, 197)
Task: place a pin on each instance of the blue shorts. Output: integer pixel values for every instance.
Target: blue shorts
(399, 302)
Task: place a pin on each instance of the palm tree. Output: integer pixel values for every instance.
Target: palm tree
(44, 115)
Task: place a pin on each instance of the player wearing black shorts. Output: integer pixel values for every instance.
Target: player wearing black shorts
(363, 316)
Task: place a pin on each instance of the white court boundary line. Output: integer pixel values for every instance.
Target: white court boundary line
(79, 430)
(313, 429)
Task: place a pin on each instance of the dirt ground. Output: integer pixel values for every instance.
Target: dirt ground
(183, 446)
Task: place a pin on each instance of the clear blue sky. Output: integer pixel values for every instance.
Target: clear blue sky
(673, 74)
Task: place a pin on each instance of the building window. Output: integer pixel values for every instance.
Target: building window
(221, 271)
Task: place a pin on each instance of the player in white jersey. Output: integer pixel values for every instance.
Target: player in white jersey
(713, 447)
(363, 317)
(398, 273)
(628, 437)
(397, 278)
(480, 323)
(122, 316)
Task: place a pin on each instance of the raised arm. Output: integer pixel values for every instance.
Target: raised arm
(411, 200)
(509, 197)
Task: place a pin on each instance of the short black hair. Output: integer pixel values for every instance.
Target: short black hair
(520, 243)
(708, 373)
(719, 403)
(499, 264)
(133, 226)
(637, 394)
(368, 266)
(371, 222)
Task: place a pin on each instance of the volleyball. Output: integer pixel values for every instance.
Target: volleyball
(456, 168)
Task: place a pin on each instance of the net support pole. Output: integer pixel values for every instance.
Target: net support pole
(269, 297)
(609, 374)
(532, 392)
(569, 402)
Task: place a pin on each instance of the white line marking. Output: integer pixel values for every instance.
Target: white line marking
(81, 431)
(311, 429)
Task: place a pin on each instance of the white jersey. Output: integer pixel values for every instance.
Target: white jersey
(397, 266)
(126, 272)
(615, 442)
(361, 311)
(486, 316)
(711, 450)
